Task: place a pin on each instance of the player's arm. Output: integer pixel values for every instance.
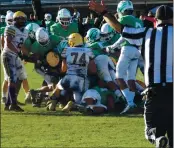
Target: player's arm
(24, 50)
(109, 18)
(8, 40)
(2, 41)
(64, 64)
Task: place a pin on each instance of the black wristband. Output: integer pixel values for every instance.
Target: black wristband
(104, 12)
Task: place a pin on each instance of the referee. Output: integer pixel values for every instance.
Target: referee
(157, 51)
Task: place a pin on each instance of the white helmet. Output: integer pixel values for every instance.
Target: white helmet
(32, 28)
(64, 17)
(2, 16)
(107, 32)
(9, 11)
(93, 35)
(42, 36)
(124, 5)
(9, 18)
(48, 17)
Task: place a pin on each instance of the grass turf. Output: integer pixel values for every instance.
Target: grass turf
(39, 128)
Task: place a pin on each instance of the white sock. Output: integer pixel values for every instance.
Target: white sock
(128, 95)
(4, 94)
(118, 93)
(131, 98)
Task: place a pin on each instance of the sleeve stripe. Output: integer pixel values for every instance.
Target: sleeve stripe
(133, 36)
(11, 30)
(10, 33)
(130, 34)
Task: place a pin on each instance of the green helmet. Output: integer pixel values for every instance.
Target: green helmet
(124, 5)
(61, 46)
(32, 28)
(93, 35)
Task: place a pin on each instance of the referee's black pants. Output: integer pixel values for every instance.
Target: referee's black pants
(158, 113)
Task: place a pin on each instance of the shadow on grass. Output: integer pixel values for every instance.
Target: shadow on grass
(73, 113)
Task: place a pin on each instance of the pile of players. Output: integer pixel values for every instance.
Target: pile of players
(92, 73)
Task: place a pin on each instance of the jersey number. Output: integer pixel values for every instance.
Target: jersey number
(82, 58)
(20, 43)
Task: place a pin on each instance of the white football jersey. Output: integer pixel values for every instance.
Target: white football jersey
(77, 59)
(18, 36)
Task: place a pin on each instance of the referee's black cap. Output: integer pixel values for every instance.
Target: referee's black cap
(164, 12)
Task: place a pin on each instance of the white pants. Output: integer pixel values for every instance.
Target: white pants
(93, 94)
(13, 66)
(75, 83)
(104, 64)
(127, 63)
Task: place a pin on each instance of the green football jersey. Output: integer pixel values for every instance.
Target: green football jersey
(42, 50)
(131, 21)
(48, 25)
(58, 30)
(112, 41)
(2, 31)
(97, 48)
(28, 43)
(104, 93)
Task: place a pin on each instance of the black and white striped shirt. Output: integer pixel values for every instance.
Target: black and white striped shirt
(157, 51)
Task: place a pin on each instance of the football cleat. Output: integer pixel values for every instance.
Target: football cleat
(15, 108)
(20, 103)
(61, 106)
(6, 108)
(68, 107)
(28, 98)
(52, 105)
(128, 109)
(161, 142)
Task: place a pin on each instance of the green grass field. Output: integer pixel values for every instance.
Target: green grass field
(39, 128)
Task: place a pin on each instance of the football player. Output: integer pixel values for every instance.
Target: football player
(14, 37)
(105, 70)
(48, 21)
(43, 47)
(64, 27)
(128, 60)
(108, 35)
(77, 59)
(21, 72)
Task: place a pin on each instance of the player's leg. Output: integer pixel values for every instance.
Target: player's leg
(23, 76)
(54, 98)
(128, 54)
(4, 91)
(78, 85)
(103, 71)
(9, 62)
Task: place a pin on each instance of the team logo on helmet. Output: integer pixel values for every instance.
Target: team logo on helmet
(124, 5)
(32, 28)
(93, 35)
